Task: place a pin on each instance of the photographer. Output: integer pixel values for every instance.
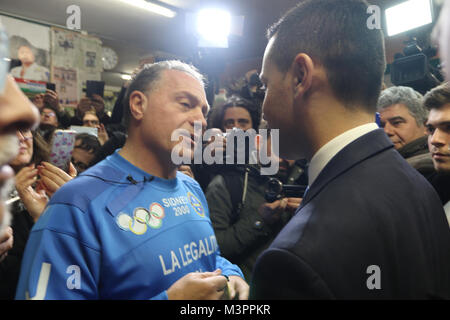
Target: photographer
(244, 223)
(235, 112)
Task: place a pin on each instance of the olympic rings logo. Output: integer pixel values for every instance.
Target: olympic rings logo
(142, 219)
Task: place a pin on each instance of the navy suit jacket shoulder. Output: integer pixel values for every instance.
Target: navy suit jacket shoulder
(369, 227)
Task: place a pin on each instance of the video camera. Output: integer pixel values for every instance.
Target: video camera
(413, 69)
(253, 89)
(276, 190)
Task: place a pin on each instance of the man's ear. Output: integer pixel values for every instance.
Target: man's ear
(138, 104)
(302, 72)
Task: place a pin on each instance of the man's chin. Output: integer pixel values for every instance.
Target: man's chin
(5, 213)
(442, 168)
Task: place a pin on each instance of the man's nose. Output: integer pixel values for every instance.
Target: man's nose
(16, 111)
(388, 129)
(200, 117)
(239, 126)
(437, 139)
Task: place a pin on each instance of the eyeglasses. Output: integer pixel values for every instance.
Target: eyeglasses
(80, 166)
(94, 122)
(26, 134)
(50, 114)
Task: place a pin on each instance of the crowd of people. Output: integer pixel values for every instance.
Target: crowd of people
(124, 222)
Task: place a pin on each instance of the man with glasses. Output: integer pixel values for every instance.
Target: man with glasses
(90, 119)
(49, 117)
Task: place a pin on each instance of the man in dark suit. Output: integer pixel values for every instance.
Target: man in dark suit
(370, 226)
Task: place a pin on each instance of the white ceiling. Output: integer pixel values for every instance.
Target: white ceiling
(135, 33)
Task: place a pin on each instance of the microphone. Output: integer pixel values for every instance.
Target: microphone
(130, 178)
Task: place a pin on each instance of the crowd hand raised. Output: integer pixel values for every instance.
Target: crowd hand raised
(98, 103)
(6, 242)
(33, 200)
(271, 212)
(38, 100)
(217, 141)
(51, 98)
(199, 286)
(52, 177)
(84, 105)
(102, 135)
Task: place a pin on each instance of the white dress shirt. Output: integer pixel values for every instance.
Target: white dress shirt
(332, 147)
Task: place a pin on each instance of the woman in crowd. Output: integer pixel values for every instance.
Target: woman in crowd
(36, 180)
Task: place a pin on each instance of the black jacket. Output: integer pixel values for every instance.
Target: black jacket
(10, 267)
(242, 235)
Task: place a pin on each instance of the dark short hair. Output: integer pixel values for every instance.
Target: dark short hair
(89, 142)
(236, 101)
(148, 76)
(437, 97)
(334, 34)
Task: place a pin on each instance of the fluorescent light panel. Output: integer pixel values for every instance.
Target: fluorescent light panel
(152, 7)
(408, 15)
(213, 27)
(125, 76)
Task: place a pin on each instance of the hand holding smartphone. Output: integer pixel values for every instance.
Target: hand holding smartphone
(62, 146)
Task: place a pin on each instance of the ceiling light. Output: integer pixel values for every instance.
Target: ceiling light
(126, 76)
(408, 15)
(213, 27)
(152, 7)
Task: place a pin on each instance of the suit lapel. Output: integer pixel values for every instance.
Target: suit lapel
(357, 151)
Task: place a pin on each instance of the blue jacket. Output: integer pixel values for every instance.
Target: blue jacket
(115, 232)
(370, 227)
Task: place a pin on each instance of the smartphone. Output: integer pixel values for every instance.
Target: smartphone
(62, 146)
(81, 129)
(51, 86)
(94, 87)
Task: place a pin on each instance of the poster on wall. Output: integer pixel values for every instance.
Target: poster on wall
(65, 48)
(77, 52)
(91, 55)
(66, 85)
(29, 44)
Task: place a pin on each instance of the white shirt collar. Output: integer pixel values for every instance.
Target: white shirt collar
(332, 147)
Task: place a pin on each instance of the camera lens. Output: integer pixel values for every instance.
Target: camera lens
(274, 189)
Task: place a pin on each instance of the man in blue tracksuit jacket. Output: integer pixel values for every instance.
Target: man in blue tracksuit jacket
(132, 227)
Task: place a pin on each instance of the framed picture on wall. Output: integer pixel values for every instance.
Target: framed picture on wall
(29, 44)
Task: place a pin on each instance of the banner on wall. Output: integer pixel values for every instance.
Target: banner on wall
(65, 48)
(66, 85)
(81, 53)
(31, 87)
(71, 57)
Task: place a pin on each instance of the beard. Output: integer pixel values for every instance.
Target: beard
(4, 195)
(9, 148)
